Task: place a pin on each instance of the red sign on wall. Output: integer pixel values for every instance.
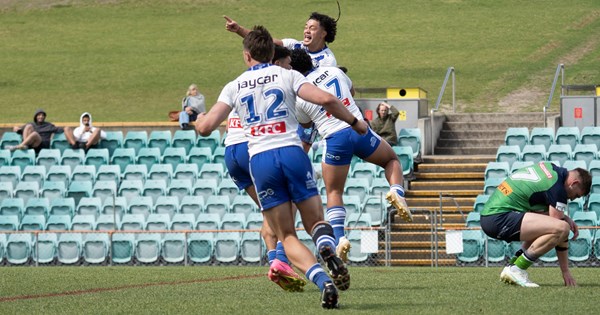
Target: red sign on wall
(578, 112)
(369, 114)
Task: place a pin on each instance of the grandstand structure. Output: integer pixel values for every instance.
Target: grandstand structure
(158, 195)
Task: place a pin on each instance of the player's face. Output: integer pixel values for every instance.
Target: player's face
(284, 62)
(314, 35)
(39, 118)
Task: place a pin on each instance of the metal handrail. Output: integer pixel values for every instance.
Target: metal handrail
(560, 69)
(439, 99)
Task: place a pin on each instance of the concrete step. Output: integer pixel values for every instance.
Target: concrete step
(447, 185)
(418, 194)
(446, 167)
(472, 134)
(452, 159)
(536, 117)
(483, 150)
(450, 176)
(468, 143)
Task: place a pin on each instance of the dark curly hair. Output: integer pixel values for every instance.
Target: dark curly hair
(301, 61)
(326, 22)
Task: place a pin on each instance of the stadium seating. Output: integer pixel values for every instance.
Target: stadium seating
(173, 248)
(227, 247)
(211, 141)
(44, 248)
(356, 255)
(162, 172)
(95, 248)
(580, 249)
(567, 135)
(72, 158)
(158, 222)
(27, 190)
(135, 140)
(179, 188)
(59, 142)
(571, 165)
(141, 205)
(192, 205)
(9, 222)
(534, 153)
(58, 222)
(212, 171)
(187, 171)
(12, 206)
(69, 248)
(379, 187)
(364, 170)
(97, 157)
(148, 248)
(182, 222)
(560, 153)
(358, 187)
(254, 221)
(243, 204)
(160, 139)
(105, 190)
(251, 247)
(496, 250)
(497, 169)
(585, 152)
(233, 221)
(51, 190)
(208, 221)
(472, 246)
(199, 156)
(108, 222)
(480, 201)
(168, 205)
(84, 173)
(6, 190)
(62, 206)
(359, 220)
(228, 188)
(217, 204)
(542, 135)
(32, 223)
(59, 173)
(200, 247)
(405, 155)
(154, 188)
(10, 138)
(131, 189)
(22, 158)
(37, 206)
(184, 139)
(89, 205)
(490, 184)
(148, 157)
(48, 158)
(34, 173)
(174, 156)
(123, 157)
(5, 157)
(133, 222)
(473, 219)
(82, 222)
(109, 173)
(219, 156)
(594, 204)
(518, 136)
(137, 172)
(18, 248)
(590, 135)
(123, 247)
(113, 141)
(410, 137)
(594, 168)
(508, 154)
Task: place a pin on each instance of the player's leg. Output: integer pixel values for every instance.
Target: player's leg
(384, 156)
(94, 138)
(69, 135)
(31, 139)
(334, 178)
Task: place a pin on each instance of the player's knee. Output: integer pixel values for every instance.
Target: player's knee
(562, 230)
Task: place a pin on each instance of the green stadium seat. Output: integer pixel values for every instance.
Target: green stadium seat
(571, 165)
(575, 205)
(490, 184)
(534, 153)
(560, 153)
(208, 221)
(11, 174)
(184, 139)
(567, 135)
(158, 222)
(590, 135)
(356, 255)
(405, 155)
(27, 190)
(108, 222)
(358, 220)
(174, 156)
(51, 190)
(18, 248)
(580, 249)
(594, 168)
(37, 206)
(95, 248)
(131, 189)
(5, 157)
(12, 206)
(586, 218)
(496, 250)
(6, 190)
(211, 141)
(135, 140)
(497, 169)
(174, 248)
(9, 223)
(549, 257)
(113, 141)
(160, 139)
(89, 205)
(179, 188)
(358, 187)
(62, 206)
(141, 205)
(97, 157)
(168, 205)
(254, 221)
(227, 247)
(219, 156)
(379, 187)
(508, 153)
(594, 204)
(192, 205)
(586, 153)
(243, 204)
(186, 171)
(199, 156)
(60, 173)
(59, 142)
(212, 170)
(10, 138)
(410, 137)
(182, 222)
(217, 204)
(72, 158)
(32, 223)
(22, 158)
(472, 246)
(228, 188)
(154, 188)
(58, 222)
(200, 247)
(148, 248)
(69, 248)
(122, 248)
(517, 136)
(123, 157)
(163, 172)
(48, 158)
(137, 172)
(252, 247)
(133, 222)
(79, 189)
(109, 173)
(233, 221)
(376, 208)
(542, 135)
(480, 201)
(44, 248)
(364, 170)
(519, 165)
(34, 173)
(473, 219)
(105, 190)
(114, 206)
(148, 157)
(205, 188)
(84, 173)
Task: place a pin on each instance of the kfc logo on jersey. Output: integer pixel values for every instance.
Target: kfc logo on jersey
(268, 129)
(234, 123)
(346, 103)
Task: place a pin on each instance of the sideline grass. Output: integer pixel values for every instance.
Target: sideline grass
(127, 60)
(375, 290)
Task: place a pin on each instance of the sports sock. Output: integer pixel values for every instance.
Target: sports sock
(271, 255)
(317, 275)
(514, 258)
(323, 236)
(281, 253)
(523, 262)
(337, 217)
(399, 189)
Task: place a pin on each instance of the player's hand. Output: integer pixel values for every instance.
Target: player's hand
(573, 227)
(231, 25)
(361, 127)
(569, 280)
(188, 110)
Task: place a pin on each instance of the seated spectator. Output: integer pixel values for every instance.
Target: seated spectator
(191, 105)
(85, 136)
(37, 134)
(385, 123)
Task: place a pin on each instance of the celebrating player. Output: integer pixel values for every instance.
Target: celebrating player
(264, 97)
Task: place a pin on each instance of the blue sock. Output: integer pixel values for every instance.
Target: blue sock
(317, 275)
(281, 253)
(399, 189)
(271, 256)
(323, 236)
(337, 217)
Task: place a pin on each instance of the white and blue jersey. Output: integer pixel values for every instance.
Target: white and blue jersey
(265, 99)
(237, 159)
(341, 142)
(321, 58)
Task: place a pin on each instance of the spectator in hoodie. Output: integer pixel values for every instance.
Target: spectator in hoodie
(85, 136)
(191, 105)
(37, 135)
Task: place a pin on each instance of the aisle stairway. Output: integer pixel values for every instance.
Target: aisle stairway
(467, 143)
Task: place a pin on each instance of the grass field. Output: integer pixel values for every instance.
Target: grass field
(246, 290)
(127, 60)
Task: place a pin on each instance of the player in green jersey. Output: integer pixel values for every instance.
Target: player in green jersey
(529, 206)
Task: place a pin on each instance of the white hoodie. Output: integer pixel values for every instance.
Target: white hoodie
(80, 134)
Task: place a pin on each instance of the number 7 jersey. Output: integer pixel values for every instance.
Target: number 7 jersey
(265, 98)
(532, 188)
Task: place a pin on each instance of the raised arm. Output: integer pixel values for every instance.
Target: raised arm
(206, 123)
(234, 27)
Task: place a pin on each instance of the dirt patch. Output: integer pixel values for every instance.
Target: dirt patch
(586, 20)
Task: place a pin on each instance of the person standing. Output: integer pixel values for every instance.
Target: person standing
(264, 97)
(191, 105)
(385, 123)
(529, 206)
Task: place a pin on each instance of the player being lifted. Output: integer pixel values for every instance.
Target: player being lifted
(264, 97)
(341, 143)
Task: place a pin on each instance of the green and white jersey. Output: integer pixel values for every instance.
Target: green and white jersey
(532, 188)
